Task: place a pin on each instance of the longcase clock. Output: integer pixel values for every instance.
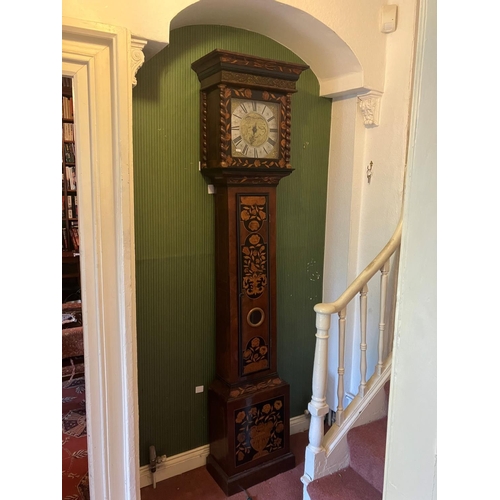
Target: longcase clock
(245, 152)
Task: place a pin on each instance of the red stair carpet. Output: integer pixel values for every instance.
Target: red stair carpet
(364, 478)
(75, 478)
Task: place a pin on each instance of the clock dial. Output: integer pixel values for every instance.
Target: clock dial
(254, 129)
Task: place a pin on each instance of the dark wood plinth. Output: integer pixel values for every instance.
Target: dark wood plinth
(249, 432)
(231, 485)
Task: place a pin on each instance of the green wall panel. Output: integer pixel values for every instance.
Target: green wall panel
(174, 237)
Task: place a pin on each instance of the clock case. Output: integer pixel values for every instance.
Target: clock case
(249, 418)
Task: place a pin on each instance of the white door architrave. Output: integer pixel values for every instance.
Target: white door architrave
(98, 58)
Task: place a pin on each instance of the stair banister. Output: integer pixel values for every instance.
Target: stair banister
(318, 407)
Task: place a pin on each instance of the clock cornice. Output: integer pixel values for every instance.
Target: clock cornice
(222, 66)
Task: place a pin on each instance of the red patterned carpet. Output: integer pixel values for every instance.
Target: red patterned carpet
(75, 479)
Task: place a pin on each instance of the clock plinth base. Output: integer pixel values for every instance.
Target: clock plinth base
(231, 485)
(249, 432)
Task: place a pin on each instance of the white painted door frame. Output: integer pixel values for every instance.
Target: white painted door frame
(98, 58)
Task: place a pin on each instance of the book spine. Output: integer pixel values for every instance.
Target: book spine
(73, 241)
(65, 238)
(67, 108)
(68, 153)
(68, 132)
(72, 179)
(75, 238)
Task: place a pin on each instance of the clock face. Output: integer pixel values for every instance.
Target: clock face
(254, 129)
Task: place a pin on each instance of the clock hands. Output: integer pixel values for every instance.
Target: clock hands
(254, 131)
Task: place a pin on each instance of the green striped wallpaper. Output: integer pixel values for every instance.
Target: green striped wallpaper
(174, 235)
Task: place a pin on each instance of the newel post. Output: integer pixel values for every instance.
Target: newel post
(318, 407)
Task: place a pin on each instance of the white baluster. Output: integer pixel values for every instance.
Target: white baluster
(381, 327)
(339, 416)
(318, 407)
(363, 312)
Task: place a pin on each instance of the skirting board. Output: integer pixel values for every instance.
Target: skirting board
(192, 459)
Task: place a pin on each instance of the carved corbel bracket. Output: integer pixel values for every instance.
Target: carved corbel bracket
(370, 108)
(137, 56)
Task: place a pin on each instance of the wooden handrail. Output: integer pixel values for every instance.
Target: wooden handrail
(374, 266)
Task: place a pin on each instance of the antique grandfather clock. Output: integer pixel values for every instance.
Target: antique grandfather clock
(245, 152)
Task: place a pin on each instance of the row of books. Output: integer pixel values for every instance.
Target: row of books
(68, 134)
(70, 238)
(70, 206)
(70, 178)
(67, 107)
(69, 152)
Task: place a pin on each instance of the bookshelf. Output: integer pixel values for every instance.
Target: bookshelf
(70, 237)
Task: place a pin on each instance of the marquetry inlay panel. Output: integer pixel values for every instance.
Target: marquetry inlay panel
(259, 430)
(253, 236)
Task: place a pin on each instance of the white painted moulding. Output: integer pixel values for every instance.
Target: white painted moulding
(369, 104)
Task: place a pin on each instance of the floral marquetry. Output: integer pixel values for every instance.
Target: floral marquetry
(254, 266)
(253, 212)
(250, 388)
(254, 248)
(255, 356)
(259, 430)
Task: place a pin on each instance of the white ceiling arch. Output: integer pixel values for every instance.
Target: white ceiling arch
(329, 57)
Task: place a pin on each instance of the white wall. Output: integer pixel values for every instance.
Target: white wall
(342, 223)
(411, 443)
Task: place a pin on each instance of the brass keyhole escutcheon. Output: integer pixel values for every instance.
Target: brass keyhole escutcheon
(255, 317)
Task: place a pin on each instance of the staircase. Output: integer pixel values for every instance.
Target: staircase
(347, 462)
(364, 478)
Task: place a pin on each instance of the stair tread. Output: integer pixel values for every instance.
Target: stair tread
(367, 450)
(345, 484)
